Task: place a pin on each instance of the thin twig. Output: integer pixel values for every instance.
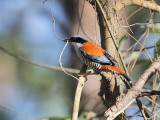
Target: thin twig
(134, 13)
(79, 89)
(23, 59)
(135, 24)
(151, 112)
(152, 101)
(139, 44)
(18, 113)
(54, 23)
(149, 47)
(61, 63)
(135, 60)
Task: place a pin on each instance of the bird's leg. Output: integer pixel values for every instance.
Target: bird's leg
(83, 69)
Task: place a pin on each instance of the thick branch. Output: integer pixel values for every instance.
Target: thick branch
(146, 4)
(77, 97)
(81, 81)
(37, 64)
(123, 103)
(111, 35)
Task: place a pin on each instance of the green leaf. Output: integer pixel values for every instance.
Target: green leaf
(142, 26)
(82, 118)
(56, 118)
(158, 49)
(123, 38)
(155, 27)
(144, 62)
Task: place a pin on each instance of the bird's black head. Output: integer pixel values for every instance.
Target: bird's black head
(77, 39)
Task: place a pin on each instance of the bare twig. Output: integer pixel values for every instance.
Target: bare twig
(138, 43)
(79, 88)
(18, 113)
(124, 102)
(158, 117)
(77, 97)
(149, 47)
(54, 23)
(35, 63)
(146, 4)
(61, 63)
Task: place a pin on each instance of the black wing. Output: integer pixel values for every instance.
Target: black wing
(114, 62)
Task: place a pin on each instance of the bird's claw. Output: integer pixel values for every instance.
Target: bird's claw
(82, 75)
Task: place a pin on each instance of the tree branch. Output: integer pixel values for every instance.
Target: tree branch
(124, 102)
(77, 97)
(149, 93)
(143, 3)
(111, 34)
(81, 81)
(149, 47)
(37, 64)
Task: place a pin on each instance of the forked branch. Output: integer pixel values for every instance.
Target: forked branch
(133, 93)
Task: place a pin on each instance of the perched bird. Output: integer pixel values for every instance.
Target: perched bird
(95, 57)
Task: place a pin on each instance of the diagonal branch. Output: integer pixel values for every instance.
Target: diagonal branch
(124, 102)
(146, 4)
(37, 64)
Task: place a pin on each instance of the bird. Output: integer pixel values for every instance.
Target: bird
(98, 59)
(95, 57)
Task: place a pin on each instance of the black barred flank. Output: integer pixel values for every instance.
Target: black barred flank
(95, 66)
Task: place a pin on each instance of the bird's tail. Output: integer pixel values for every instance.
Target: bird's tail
(118, 71)
(128, 78)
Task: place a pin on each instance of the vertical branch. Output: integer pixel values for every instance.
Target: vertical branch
(78, 92)
(77, 97)
(110, 90)
(108, 35)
